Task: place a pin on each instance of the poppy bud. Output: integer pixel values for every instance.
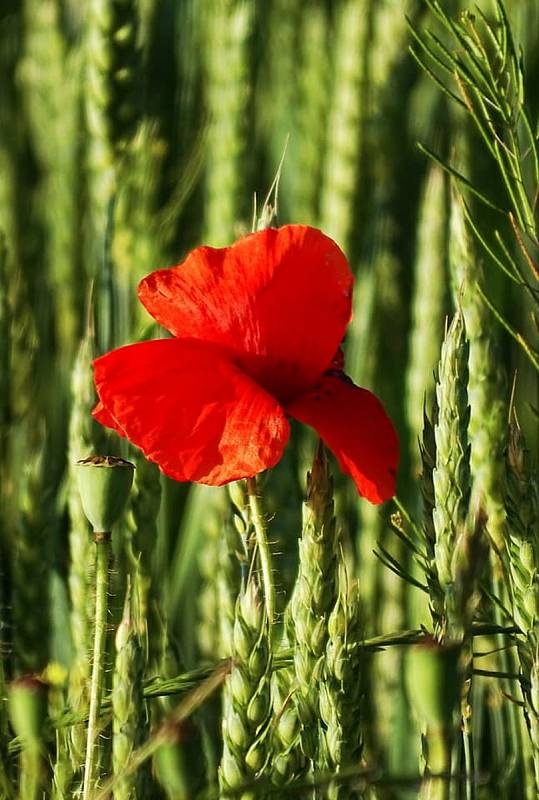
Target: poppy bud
(104, 484)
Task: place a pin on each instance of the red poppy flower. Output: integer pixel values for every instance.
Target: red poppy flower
(257, 330)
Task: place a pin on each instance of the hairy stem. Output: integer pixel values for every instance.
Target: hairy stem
(264, 550)
(102, 542)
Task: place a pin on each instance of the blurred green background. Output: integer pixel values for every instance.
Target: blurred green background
(131, 132)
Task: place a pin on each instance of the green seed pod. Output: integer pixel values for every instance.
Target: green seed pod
(531, 601)
(259, 706)
(528, 556)
(319, 634)
(309, 738)
(283, 765)
(288, 725)
(238, 495)
(27, 699)
(519, 577)
(236, 730)
(230, 771)
(257, 662)
(521, 620)
(242, 639)
(104, 485)
(534, 680)
(333, 742)
(256, 755)
(432, 677)
(304, 711)
(240, 686)
(302, 631)
(325, 703)
(318, 670)
(240, 525)
(251, 607)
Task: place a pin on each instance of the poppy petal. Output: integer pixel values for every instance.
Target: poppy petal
(190, 410)
(279, 300)
(101, 414)
(353, 424)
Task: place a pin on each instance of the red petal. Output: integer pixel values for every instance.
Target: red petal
(190, 410)
(101, 414)
(353, 424)
(279, 300)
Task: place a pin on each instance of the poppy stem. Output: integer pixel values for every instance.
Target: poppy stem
(100, 633)
(264, 550)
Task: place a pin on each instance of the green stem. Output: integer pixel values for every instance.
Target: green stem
(30, 773)
(102, 541)
(436, 782)
(469, 760)
(536, 770)
(466, 712)
(264, 550)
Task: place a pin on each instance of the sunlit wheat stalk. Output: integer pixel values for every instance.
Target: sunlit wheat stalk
(50, 73)
(522, 503)
(129, 719)
(428, 301)
(340, 691)
(228, 31)
(246, 698)
(344, 132)
(82, 564)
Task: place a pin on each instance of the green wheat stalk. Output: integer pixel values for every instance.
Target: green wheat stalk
(50, 73)
(451, 475)
(481, 70)
(208, 611)
(488, 410)
(111, 106)
(228, 575)
(488, 404)
(279, 103)
(81, 441)
(219, 565)
(246, 695)
(344, 137)
(229, 26)
(144, 504)
(307, 146)
(295, 731)
(340, 690)
(488, 84)
(30, 565)
(129, 721)
(312, 601)
(140, 222)
(522, 504)
(428, 460)
(428, 300)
